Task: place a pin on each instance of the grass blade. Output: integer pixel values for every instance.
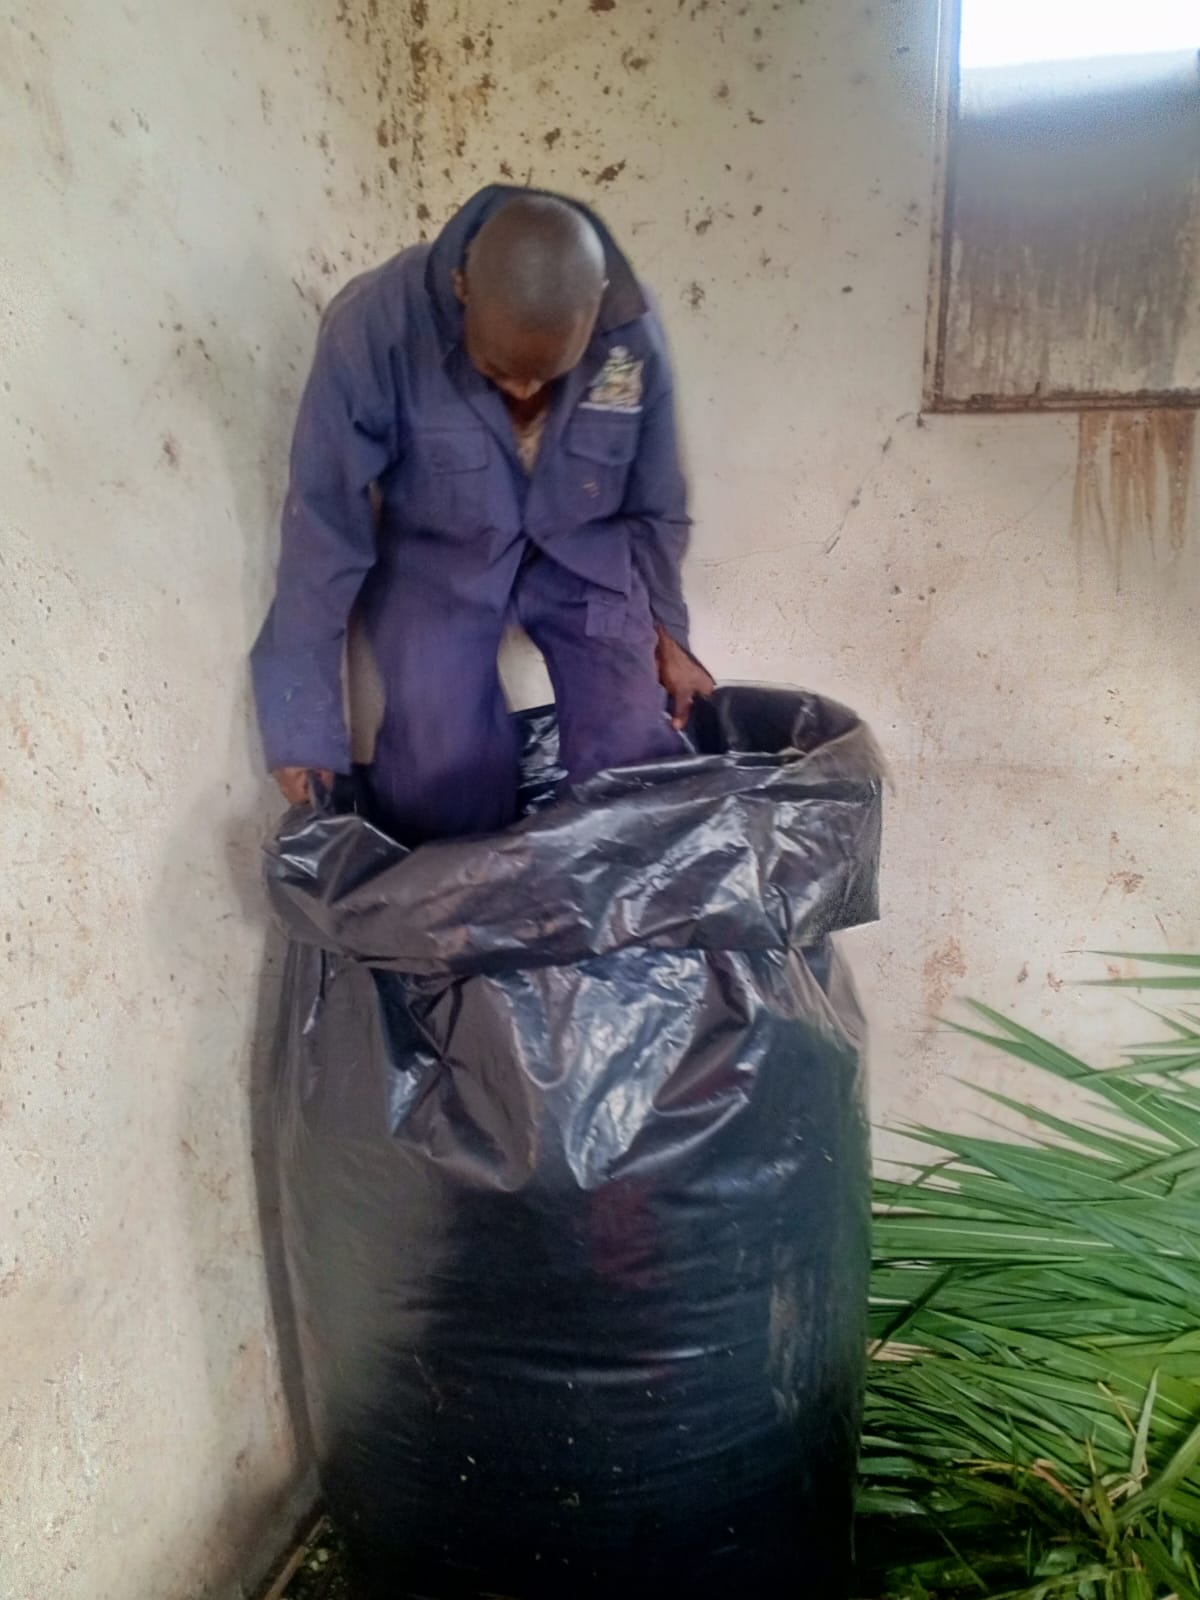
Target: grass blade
(1032, 1411)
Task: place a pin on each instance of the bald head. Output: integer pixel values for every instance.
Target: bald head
(532, 285)
(538, 260)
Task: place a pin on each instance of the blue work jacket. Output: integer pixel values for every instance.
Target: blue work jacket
(394, 405)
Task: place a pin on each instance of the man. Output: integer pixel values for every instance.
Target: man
(505, 398)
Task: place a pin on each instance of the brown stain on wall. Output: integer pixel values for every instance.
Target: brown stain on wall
(1133, 482)
(450, 107)
(1127, 882)
(1177, 442)
(420, 52)
(388, 55)
(942, 972)
(467, 107)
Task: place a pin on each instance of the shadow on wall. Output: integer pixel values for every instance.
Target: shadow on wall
(211, 889)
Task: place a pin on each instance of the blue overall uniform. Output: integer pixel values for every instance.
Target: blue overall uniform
(584, 551)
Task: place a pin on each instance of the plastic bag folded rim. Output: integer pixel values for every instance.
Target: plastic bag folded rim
(733, 848)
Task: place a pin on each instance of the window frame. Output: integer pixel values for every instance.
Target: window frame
(933, 398)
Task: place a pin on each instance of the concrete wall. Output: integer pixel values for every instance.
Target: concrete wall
(1010, 601)
(183, 184)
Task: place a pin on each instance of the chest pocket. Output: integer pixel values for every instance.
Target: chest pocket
(443, 482)
(598, 452)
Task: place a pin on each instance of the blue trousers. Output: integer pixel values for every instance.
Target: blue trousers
(446, 756)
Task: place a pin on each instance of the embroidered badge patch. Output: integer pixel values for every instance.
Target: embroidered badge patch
(619, 384)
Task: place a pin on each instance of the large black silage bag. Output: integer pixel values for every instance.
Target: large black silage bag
(574, 1172)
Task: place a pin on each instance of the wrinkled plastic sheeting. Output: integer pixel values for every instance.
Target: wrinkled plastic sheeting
(575, 1171)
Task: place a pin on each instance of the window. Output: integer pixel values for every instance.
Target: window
(1067, 270)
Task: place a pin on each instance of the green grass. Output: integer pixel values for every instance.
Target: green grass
(1032, 1425)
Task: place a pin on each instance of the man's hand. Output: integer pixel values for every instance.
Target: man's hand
(294, 781)
(682, 676)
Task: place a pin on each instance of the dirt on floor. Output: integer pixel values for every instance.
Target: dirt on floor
(318, 1574)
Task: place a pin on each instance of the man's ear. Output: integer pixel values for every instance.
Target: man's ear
(460, 284)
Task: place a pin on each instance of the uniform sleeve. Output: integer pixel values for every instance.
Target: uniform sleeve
(342, 444)
(656, 499)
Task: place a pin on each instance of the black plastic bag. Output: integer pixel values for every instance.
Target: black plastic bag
(575, 1172)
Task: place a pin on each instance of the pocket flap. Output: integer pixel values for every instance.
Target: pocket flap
(609, 443)
(452, 449)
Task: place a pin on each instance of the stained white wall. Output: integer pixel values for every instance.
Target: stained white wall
(181, 186)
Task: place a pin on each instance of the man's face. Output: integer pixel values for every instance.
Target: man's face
(520, 361)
